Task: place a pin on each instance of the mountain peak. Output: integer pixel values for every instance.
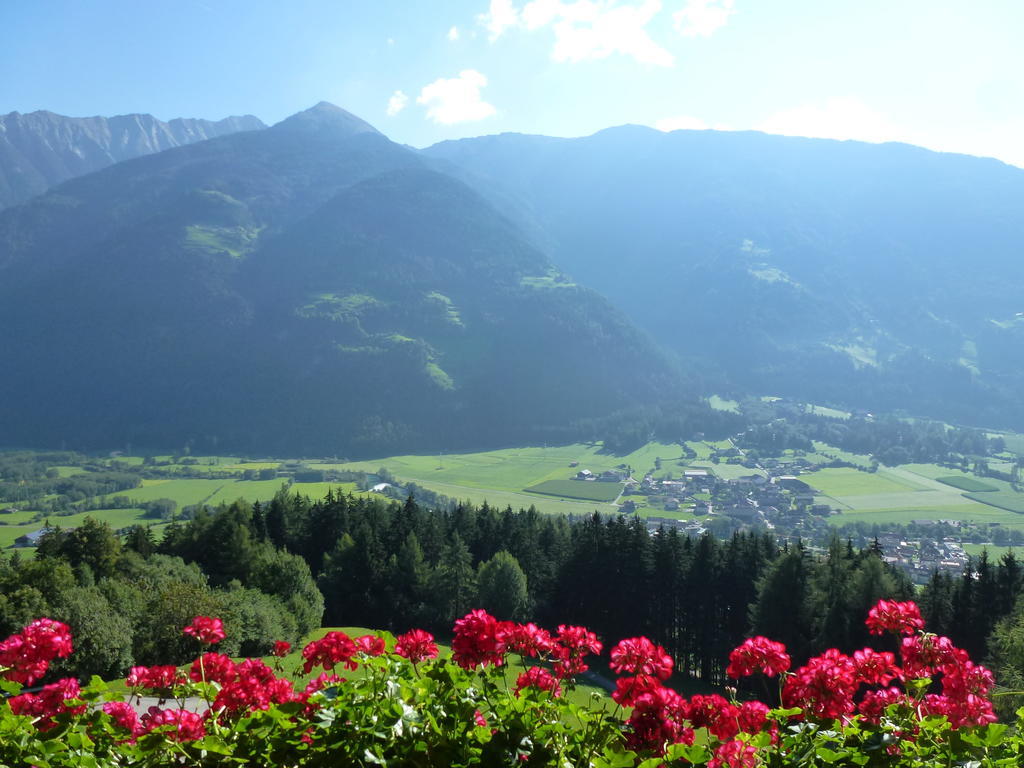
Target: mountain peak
(326, 118)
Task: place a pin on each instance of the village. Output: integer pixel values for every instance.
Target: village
(775, 496)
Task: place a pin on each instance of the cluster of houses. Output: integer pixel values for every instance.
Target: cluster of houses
(764, 499)
(608, 476)
(922, 557)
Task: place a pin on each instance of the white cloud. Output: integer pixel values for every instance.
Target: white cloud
(456, 99)
(500, 16)
(391, 41)
(702, 18)
(585, 29)
(841, 118)
(397, 103)
(453, 33)
(681, 123)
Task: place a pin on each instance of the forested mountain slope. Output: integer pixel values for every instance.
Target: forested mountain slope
(312, 287)
(41, 149)
(879, 276)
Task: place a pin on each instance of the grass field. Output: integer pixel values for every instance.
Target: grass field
(724, 471)
(519, 500)
(578, 489)
(722, 404)
(249, 490)
(821, 410)
(846, 481)
(116, 518)
(966, 483)
(994, 552)
(185, 492)
(968, 512)
(1008, 500)
(500, 476)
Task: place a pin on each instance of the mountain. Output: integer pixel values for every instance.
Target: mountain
(875, 276)
(308, 288)
(41, 149)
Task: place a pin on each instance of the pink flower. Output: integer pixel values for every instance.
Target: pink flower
(874, 667)
(538, 677)
(734, 754)
(629, 689)
(573, 646)
(28, 654)
(892, 616)
(639, 656)
(217, 668)
(479, 640)
(758, 654)
(159, 677)
(329, 651)
(187, 726)
(416, 645)
(529, 640)
(206, 629)
(124, 716)
(824, 688)
(371, 645)
(282, 648)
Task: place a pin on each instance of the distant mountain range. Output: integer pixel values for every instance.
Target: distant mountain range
(308, 288)
(876, 276)
(41, 149)
(313, 287)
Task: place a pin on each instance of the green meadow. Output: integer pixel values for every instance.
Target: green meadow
(116, 518)
(588, 490)
(967, 484)
(511, 470)
(915, 492)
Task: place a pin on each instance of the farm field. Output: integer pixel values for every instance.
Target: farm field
(906, 493)
(994, 552)
(967, 484)
(511, 469)
(723, 470)
(116, 518)
(722, 404)
(824, 449)
(578, 489)
(1008, 500)
(969, 512)
(250, 490)
(518, 500)
(845, 481)
(185, 491)
(832, 413)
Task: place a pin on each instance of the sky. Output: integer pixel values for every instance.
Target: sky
(947, 75)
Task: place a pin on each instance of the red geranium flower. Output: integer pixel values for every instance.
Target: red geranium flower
(28, 654)
(538, 677)
(479, 640)
(188, 726)
(416, 645)
(758, 654)
(892, 616)
(206, 629)
(639, 656)
(371, 645)
(282, 648)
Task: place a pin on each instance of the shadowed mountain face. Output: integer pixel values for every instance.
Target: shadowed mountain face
(879, 276)
(41, 149)
(311, 287)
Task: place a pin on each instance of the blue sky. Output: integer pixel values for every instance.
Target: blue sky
(942, 74)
